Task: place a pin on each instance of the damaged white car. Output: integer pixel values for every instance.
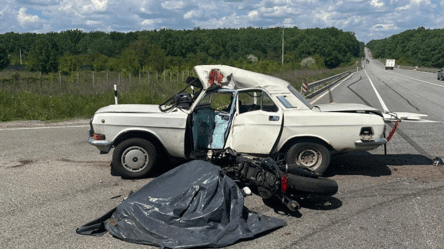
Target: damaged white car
(253, 114)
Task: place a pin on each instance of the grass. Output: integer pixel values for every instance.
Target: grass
(31, 96)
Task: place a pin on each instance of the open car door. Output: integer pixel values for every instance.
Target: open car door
(212, 119)
(257, 123)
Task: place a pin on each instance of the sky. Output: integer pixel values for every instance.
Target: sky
(368, 19)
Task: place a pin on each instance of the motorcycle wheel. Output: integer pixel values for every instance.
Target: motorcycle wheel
(319, 186)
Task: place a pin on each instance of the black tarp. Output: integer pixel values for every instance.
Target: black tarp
(192, 205)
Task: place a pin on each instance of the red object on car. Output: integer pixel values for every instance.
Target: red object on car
(98, 137)
(392, 131)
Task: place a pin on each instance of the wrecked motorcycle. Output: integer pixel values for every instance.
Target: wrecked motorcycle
(273, 178)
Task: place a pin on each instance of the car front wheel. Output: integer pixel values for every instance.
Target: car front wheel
(313, 156)
(134, 158)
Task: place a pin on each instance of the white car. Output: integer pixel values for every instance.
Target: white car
(251, 113)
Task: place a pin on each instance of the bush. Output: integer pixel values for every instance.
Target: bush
(308, 62)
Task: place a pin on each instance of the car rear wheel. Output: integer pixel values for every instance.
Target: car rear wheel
(134, 158)
(313, 156)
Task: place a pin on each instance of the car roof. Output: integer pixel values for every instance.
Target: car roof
(236, 78)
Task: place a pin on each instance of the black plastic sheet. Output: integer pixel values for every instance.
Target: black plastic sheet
(193, 205)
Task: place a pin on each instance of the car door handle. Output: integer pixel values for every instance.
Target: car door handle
(273, 118)
(224, 117)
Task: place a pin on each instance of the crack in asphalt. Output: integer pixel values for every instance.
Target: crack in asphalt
(359, 212)
(415, 145)
(400, 95)
(359, 96)
(412, 143)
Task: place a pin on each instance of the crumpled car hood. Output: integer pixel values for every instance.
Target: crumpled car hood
(346, 107)
(129, 108)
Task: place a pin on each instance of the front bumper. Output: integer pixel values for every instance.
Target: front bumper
(103, 145)
(370, 145)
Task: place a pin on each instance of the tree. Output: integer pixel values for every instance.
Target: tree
(156, 58)
(44, 55)
(128, 61)
(104, 45)
(4, 59)
(68, 40)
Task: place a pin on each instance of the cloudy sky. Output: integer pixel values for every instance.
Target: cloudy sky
(369, 19)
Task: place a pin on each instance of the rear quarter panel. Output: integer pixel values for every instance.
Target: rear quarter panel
(340, 130)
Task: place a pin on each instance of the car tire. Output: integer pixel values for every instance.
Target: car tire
(134, 158)
(313, 156)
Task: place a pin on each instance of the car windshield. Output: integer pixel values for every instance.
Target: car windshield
(302, 99)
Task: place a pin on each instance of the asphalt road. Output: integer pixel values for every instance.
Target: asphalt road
(52, 181)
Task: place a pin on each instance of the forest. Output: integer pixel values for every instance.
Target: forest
(255, 49)
(420, 47)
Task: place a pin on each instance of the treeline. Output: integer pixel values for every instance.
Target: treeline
(420, 47)
(255, 49)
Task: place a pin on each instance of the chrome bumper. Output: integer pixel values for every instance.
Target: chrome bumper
(370, 145)
(103, 145)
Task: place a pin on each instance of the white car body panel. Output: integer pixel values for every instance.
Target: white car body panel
(169, 128)
(338, 125)
(329, 127)
(253, 131)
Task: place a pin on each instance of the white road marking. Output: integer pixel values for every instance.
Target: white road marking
(322, 95)
(408, 77)
(386, 110)
(43, 127)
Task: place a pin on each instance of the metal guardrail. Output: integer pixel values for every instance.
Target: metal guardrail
(319, 86)
(428, 70)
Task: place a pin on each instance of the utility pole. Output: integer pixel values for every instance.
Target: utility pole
(20, 56)
(283, 26)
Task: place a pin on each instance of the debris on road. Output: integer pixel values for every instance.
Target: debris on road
(193, 205)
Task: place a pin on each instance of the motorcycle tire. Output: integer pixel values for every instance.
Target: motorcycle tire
(318, 186)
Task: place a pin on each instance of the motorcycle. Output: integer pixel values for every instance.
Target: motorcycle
(273, 178)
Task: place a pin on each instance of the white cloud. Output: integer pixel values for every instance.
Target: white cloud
(414, 4)
(147, 22)
(191, 14)
(372, 19)
(253, 14)
(173, 5)
(26, 20)
(324, 16)
(384, 27)
(95, 6)
(93, 22)
(376, 3)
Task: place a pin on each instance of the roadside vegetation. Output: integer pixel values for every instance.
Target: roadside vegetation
(71, 74)
(421, 47)
(29, 97)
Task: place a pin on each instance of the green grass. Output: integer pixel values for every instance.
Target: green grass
(30, 96)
